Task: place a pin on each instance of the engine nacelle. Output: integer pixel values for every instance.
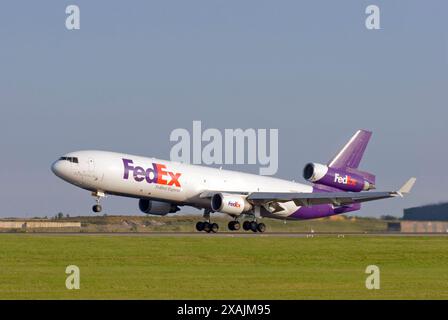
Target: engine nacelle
(337, 178)
(157, 207)
(233, 204)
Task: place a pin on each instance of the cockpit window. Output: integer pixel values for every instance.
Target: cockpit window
(70, 159)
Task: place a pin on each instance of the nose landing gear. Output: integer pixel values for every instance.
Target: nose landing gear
(98, 195)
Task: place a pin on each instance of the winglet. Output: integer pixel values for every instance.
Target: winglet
(407, 187)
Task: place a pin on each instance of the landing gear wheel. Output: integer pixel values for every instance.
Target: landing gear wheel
(98, 195)
(214, 227)
(234, 225)
(253, 226)
(200, 226)
(246, 225)
(207, 227)
(261, 227)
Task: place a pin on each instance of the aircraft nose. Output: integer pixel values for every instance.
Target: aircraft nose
(56, 167)
(65, 168)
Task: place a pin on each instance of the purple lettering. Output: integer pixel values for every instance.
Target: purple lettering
(127, 168)
(139, 174)
(152, 170)
(154, 174)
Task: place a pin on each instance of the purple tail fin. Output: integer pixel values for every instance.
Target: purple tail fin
(349, 157)
(351, 154)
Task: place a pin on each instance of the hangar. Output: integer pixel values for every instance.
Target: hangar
(432, 212)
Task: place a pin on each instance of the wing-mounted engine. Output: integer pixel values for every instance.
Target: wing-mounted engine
(232, 204)
(347, 179)
(158, 208)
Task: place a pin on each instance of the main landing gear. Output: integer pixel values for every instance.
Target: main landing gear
(247, 226)
(254, 226)
(233, 225)
(210, 227)
(207, 226)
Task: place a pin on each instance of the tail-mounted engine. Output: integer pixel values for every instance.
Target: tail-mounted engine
(344, 179)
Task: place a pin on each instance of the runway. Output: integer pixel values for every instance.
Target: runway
(232, 234)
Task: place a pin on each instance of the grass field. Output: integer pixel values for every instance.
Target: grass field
(125, 267)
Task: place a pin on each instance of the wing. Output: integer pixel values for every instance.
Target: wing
(335, 198)
(211, 193)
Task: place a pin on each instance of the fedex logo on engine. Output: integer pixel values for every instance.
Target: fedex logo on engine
(234, 204)
(155, 174)
(344, 179)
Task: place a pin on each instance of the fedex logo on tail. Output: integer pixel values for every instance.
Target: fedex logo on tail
(344, 179)
(155, 174)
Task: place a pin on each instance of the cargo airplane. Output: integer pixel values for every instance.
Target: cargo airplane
(162, 187)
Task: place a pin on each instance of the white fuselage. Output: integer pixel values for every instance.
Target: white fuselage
(151, 178)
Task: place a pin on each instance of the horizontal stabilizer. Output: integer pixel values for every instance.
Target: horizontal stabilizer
(407, 187)
(334, 198)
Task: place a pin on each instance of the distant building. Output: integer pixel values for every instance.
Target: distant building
(418, 227)
(433, 212)
(16, 224)
(394, 226)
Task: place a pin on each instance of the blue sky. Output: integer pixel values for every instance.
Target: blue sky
(136, 70)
